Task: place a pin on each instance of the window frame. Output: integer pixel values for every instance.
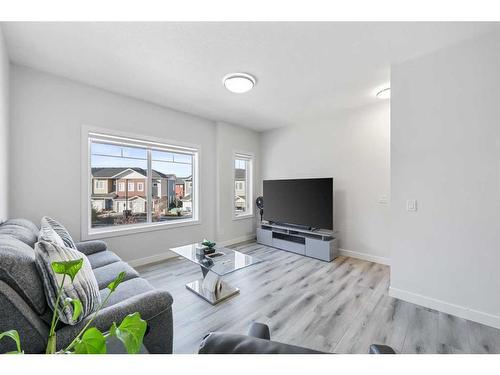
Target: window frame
(97, 183)
(129, 139)
(250, 158)
(140, 186)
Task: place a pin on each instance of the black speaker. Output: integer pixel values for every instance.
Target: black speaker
(259, 202)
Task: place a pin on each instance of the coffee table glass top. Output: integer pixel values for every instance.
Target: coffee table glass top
(225, 261)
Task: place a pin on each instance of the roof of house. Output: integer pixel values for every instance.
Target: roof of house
(187, 198)
(108, 195)
(181, 180)
(130, 199)
(110, 172)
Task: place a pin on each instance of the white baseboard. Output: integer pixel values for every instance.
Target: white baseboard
(446, 307)
(233, 241)
(151, 259)
(168, 254)
(365, 256)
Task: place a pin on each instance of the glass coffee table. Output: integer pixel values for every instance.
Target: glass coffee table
(213, 266)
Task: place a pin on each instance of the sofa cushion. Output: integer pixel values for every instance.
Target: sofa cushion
(102, 258)
(127, 289)
(61, 231)
(19, 232)
(84, 286)
(24, 223)
(108, 273)
(18, 270)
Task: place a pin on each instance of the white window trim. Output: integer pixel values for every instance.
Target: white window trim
(120, 184)
(86, 232)
(140, 186)
(129, 184)
(250, 213)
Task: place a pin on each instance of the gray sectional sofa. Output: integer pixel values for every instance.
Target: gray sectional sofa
(23, 305)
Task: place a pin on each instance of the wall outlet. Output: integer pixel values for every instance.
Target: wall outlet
(411, 205)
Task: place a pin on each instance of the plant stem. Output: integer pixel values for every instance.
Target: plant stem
(75, 340)
(51, 342)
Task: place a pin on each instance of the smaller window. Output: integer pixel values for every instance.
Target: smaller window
(99, 184)
(243, 183)
(130, 186)
(140, 186)
(121, 186)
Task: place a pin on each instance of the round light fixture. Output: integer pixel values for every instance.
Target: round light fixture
(384, 94)
(238, 82)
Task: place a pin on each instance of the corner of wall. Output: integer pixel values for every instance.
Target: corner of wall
(4, 128)
(229, 139)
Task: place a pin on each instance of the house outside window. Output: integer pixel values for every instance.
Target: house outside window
(243, 185)
(128, 166)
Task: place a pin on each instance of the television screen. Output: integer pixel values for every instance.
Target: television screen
(307, 202)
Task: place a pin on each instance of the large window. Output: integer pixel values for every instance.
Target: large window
(136, 184)
(243, 185)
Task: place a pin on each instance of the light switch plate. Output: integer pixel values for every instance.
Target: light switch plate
(411, 205)
(383, 199)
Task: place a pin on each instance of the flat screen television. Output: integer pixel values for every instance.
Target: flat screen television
(302, 202)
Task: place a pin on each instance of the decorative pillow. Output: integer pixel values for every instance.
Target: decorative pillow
(62, 237)
(84, 287)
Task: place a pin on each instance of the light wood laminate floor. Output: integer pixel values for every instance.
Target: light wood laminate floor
(337, 307)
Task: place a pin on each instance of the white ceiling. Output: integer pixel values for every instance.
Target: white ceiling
(305, 71)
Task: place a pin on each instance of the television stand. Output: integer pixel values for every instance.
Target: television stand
(316, 243)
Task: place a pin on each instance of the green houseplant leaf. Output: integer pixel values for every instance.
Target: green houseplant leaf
(69, 267)
(14, 335)
(130, 332)
(92, 342)
(77, 307)
(117, 281)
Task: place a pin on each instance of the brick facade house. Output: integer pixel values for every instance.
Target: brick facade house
(120, 189)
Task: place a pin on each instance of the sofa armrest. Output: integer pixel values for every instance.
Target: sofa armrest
(381, 349)
(227, 343)
(91, 247)
(155, 308)
(148, 304)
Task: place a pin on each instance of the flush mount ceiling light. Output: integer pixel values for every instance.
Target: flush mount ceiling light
(238, 82)
(384, 93)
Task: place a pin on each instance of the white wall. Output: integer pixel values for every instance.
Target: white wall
(4, 129)
(445, 151)
(231, 139)
(353, 148)
(47, 114)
